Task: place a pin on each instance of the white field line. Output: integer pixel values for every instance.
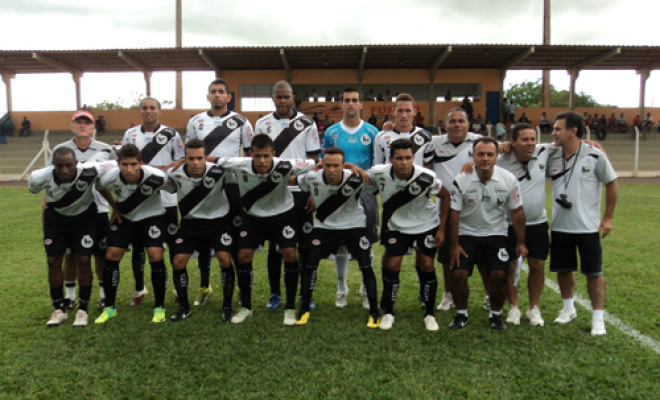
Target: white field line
(609, 318)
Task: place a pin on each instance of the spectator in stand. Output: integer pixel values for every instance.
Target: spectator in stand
(545, 124)
(468, 108)
(100, 125)
(373, 120)
(489, 128)
(512, 111)
(622, 124)
(500, 130)
(523, 119)
(9, 127)
(505, 110)
(315, 96)
(316, 119)
(419, 119)
(589, 121)
(441, 128)
(611, 123)
(26, 127)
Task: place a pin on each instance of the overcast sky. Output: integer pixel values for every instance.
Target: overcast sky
(68, 24)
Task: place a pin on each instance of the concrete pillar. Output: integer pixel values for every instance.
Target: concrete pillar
(76, 80)
(575, 73)
(147, 81)
(643, 77)
(6, 78)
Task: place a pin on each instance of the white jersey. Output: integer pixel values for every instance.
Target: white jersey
(96, 152)
(199, 198)
(483, 207)
(419, 138)
(71, 198)
(223, 136)
(337, 207)
(448, 158)
(297, 137)
(265, 195)
(160, 147)
(407, 205)
(531, 177)
(580, 178)
(139, 201)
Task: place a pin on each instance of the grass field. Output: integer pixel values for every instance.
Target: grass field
(334, 356)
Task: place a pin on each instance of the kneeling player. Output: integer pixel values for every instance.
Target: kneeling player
(205, 223)
(138, 217)
(339, 219)
(409, 216)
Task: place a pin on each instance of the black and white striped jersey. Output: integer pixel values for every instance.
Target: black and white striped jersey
(337, 207)
(265, 195)
(407, 204)
(449, 158)
(139, 201)
(223, 136)
(199, 198)
(297, 137)
(419, 138)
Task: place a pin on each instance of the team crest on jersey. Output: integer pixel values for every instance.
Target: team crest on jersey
(161, 139)
(307, 227)
(172, 229)
(429, 240)
(231, 124)
(391, 240)
(146, 190)
(82, 186)
(178, 241)
(209, 182)
(541, 167)
(298, 125)
(503, 255)
(225, 239)
(365, 139)
(586, 169)
(154, 232)
(288, 232)
(414, 189)
(347, 191)
(87, 241)
(418, 139)
(237, 221)
(316, 242)
(243, 234)
(364, 243)
(276, 177)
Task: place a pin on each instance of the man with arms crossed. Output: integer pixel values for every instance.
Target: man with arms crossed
(577, 172)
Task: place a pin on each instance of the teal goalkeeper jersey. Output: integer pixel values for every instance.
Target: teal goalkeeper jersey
(357, 143)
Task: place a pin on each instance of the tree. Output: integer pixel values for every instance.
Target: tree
(528, 94)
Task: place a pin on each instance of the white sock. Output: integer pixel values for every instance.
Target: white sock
(464, 312)
(70, 289)
(101, 291)
(495, 313)
(449, 296)
(598, 314)
(341, 266)
(568, 303)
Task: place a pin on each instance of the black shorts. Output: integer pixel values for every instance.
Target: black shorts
(369, 203)
(201, 234)
(149, 232)
(102, 229)
(304, 220)
(326, 241)
(564, 259)
(537, 241)
(77, 233)
(443, 251)
(280, 229)
(172, 223)
(397, 243)
(490, 249)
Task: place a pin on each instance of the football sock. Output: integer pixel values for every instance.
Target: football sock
(228, 281)
(568, 303)
(291, 283)
(369, 282)
(180, 277)
(244, 273)
(101, 290)
(110, 281)
(341, 266)
(307, 282)
(159, 282)
(428, 289)
(204, 263)
(390, 287)
(84, 292)
(137, 262)
(57, 297)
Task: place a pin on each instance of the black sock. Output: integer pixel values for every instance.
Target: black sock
(369, 282)
(159, 282)
(291, 284)
(204, 263)
(110, 281)
(228, 282)
(57, 297)
(307, 283)
(244, 272)
(390, 287)
(428, 282)
(137, 260)
(180, 277)
(84, 293)
(274, 268)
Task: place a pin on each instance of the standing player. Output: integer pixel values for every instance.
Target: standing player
(294, 136)
(356, 138)
(88, 149)
(340, 219)
(577, 172)
(69, 218)
(224, 134)
(478, 228)
(409, 216)
(205, 223)
(268, 207)
(140, 219)
(160, 146)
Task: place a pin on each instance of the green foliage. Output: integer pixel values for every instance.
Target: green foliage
(528, 94)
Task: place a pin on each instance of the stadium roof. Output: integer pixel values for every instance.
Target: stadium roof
(431, 56)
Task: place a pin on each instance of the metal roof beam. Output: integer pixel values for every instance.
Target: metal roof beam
(363, 60)
(597, 59)
(438, 61)
(519, 58)
(209, 61)
(649, 67)
(285, 62)
(133, 62)
(53, 63)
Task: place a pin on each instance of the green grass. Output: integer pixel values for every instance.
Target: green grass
(334, 356)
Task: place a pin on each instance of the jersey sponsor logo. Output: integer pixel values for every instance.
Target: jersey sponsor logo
(81, 186)
(414, 189)
(243, 234)
(364, 243)
(237, 221)
(307, 227)
(48, 242)
(288, 232)
(231, 124)
(172, 229)
(391, 240)
(87, 241)
(269, 129)
(161, 139)
(146, 190)
(209, 182)
(226, 239)
(298, 125)
(154, 232)
(365, 140)
(347, 191)
(316, 242)
(178, 241)
(503, 255)
(113, 227)
(429, 240)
